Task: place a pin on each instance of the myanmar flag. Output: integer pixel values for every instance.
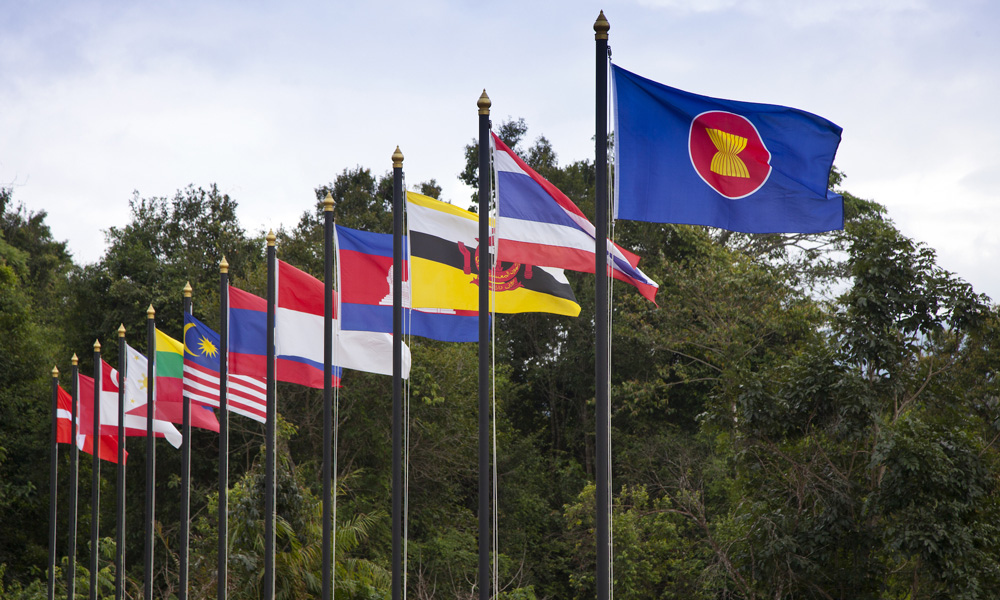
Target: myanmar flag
(169, 368)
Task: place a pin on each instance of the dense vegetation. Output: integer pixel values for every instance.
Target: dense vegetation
(800, 417)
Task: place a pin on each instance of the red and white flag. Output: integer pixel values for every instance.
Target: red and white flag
(107, 444)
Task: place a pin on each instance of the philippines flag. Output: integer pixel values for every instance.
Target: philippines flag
(537, 224)
(364, 261)
(298, 333)
(135, 425)
(245, 396)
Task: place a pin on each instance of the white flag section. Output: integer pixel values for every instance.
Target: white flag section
(136, 386)
(298, 332)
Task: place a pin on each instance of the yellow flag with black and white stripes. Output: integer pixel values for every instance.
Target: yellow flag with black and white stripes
(444, 266)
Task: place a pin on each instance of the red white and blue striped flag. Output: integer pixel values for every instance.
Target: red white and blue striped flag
(245, 395)
(538, 224)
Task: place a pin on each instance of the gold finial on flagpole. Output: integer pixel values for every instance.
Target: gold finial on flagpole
(601, 27)
(484, 103)
(74, 361)
(223, 265)
(329, 202)
(97, 345)
(397, 159)
(150, 312)
(121, 330)
(55, 372)
(271, 237)
(187, 290)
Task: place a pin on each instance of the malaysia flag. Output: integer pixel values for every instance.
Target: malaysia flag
(245, 395)
(365, 266)
(538, 224)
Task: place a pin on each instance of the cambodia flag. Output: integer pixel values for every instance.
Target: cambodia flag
(539, 225)
(741, 166)
(366, 270)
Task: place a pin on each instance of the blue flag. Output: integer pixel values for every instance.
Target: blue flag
(741, 166)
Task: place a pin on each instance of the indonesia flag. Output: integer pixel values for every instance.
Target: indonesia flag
(299, 339)
(245, 395)
(537, 224)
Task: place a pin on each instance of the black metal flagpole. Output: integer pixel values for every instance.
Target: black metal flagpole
(272, 415)
(74, 465)
(223, 548)
(95, 479)
(485, 266)
(603, 402)
(53, 483)
(120, 503)
(185, 549)
(328, 490)
(397, 378)
(150, 450)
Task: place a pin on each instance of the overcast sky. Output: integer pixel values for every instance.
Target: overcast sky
(270, 100)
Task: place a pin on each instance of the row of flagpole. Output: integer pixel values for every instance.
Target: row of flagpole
(602, 378)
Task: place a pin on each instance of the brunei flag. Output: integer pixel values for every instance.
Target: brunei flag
(444, 263)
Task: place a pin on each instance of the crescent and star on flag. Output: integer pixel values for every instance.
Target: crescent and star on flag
(204, 346)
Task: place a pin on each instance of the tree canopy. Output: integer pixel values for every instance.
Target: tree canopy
(798, 416)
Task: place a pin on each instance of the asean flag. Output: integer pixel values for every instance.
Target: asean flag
(741, 166)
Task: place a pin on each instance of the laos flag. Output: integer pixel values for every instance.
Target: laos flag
(365, 266)
(741, 166)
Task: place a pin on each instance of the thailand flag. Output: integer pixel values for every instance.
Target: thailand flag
(365, 274)
(537, 224)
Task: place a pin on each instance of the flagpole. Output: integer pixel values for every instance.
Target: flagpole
(485, 273)
(95, 479)
(328, 490)
(397, 371)
(74, 484)
(150, 450)
(223, 524)
(603, 408)
(269, 450)
(53, 483)
(120, 504)
(185, 548)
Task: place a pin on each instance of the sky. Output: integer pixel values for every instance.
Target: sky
(101, 100)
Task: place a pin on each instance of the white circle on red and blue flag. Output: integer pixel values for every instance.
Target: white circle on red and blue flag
(751, 162)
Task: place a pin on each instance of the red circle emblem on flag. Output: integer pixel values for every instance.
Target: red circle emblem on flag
(728, 153)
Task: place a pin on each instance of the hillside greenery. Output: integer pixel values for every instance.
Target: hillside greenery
(798, 416)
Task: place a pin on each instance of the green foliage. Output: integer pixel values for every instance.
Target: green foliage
(800, 417)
